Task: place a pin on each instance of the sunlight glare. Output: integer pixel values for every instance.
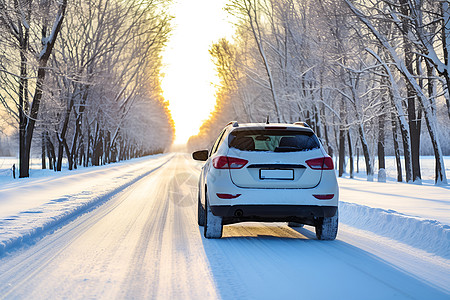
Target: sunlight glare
(189, 73)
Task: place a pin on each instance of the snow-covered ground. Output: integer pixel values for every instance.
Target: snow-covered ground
(128, 230)
(33, 206)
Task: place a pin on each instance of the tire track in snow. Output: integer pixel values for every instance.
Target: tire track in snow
(185, 273)
(140, 280)
(168, 252)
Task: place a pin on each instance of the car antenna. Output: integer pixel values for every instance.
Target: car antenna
(267, 120)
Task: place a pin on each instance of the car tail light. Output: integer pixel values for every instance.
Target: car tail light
(226, 162)
(322, 163)
(227, 196)
(324, 196)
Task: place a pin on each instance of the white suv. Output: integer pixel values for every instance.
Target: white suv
(267, 173)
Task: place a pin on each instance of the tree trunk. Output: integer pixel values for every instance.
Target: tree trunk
(357, 159)
(414, 129)
(24, 156)
(60, 154)
(342, 114)
(62, 136)
(73, 154)
(98, 149)
(81, 156)
(398, 161)
(341, 152)
(350, 153)
(380, 148)
(51, 152)
(24, 160)
(88, 159)
(414, 125)
(49, 156)
(43, 162)
(69, 157)
(365, 147)
(440, 176)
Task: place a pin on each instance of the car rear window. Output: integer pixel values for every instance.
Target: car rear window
(273, 140)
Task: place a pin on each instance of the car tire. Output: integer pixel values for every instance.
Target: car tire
(200, 213)
(327, 228)
(295, 224)
(213, 224)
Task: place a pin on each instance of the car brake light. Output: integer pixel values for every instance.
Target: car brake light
(322, 163)
(324, 196)
(226, 162)
(227, 196)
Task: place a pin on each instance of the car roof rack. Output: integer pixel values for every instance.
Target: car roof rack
(304, 124)
(235, 123)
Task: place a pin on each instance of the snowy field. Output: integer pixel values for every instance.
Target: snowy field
(128, 230)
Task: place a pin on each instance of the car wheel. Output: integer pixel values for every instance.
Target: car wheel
(213, 224)
(295, 224)
(201, 212)
(327, 228)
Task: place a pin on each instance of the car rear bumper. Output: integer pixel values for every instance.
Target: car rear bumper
(272, 213)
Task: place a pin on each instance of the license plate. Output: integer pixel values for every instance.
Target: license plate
(277, 174)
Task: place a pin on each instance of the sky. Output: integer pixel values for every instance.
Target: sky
(189, 73)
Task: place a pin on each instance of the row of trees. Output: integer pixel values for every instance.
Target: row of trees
(82, 78)
(363, 74)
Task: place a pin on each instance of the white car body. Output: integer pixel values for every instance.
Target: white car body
(271, 186)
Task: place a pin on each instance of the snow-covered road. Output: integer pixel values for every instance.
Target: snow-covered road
(144, 243)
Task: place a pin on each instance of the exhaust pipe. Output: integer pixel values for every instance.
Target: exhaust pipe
(238, 213)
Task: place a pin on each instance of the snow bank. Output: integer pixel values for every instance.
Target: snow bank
(25, 227)
(429, 235)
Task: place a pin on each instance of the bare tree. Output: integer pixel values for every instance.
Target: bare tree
(426, 103)
(344, 79)
(23, 20)
(248, 10)
(89, 81)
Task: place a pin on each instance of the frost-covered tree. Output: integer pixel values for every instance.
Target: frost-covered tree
(410, 18)
(313, 61)
(102, 89)
(30, 30)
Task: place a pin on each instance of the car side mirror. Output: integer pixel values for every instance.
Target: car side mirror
(200, 155)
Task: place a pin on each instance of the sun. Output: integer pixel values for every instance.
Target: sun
(189, 74)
